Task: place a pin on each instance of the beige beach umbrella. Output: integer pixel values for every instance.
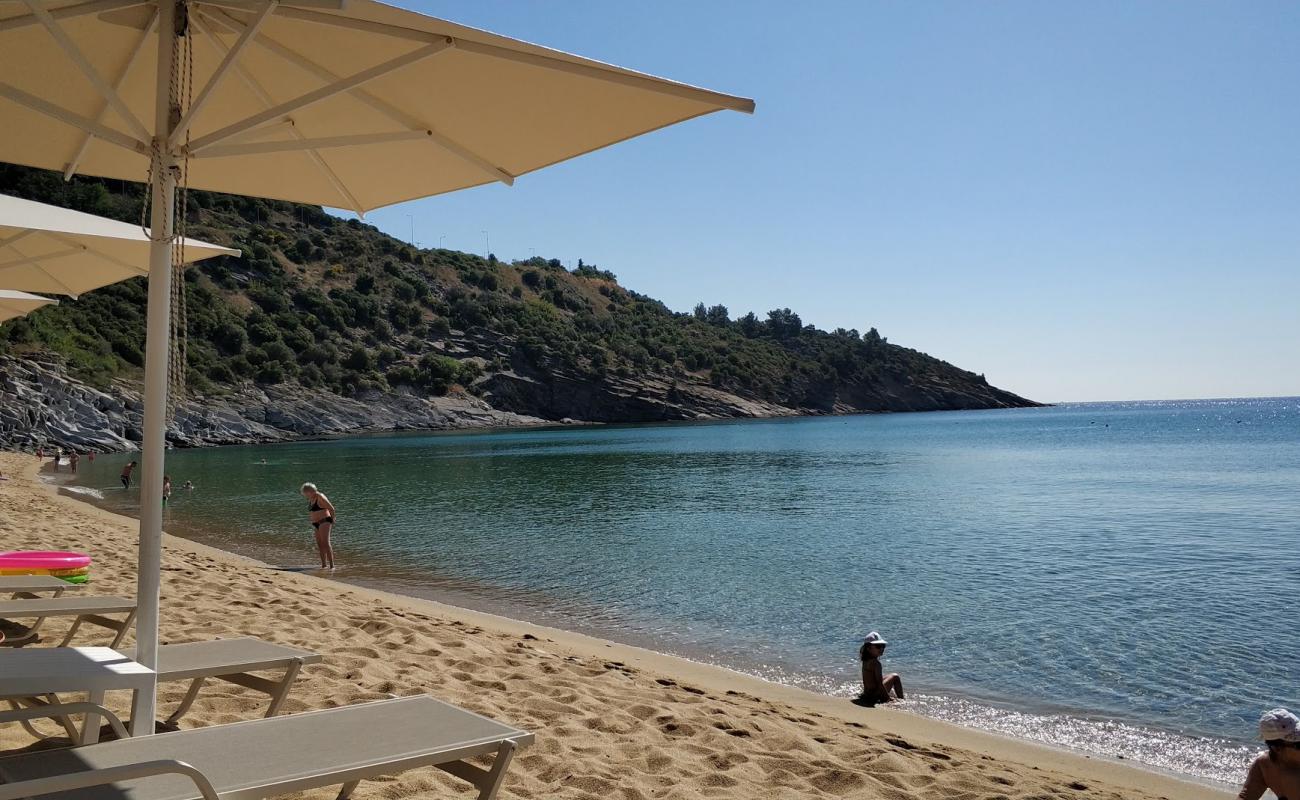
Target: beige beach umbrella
(354, 105)
(45, 248)
(18, 304)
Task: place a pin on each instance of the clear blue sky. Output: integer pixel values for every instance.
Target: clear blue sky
(1083, 201)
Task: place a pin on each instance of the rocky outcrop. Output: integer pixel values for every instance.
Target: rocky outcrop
(653, 398)
(40, 406)
(646, 399)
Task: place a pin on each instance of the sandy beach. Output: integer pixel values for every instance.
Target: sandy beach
(611, 720)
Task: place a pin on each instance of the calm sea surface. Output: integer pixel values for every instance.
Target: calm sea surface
(1117, 578)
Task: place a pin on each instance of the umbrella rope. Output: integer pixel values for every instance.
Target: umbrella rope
(182, 85)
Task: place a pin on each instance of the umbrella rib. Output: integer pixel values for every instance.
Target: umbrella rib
(75, 163)
(589, 70)
(17, 237)
(35, 262)
(246, 38)
(303, 143)
(69, 12)
(112, 259)
(324, 93)
(87, 69)
(449, 144)
(251, 5)
(61, 114)
(23, 261)
(265, 98)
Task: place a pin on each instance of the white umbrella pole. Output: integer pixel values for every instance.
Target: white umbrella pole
(162, 195)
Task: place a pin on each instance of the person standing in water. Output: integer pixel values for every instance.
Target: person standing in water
(321, 514)
(126, 475)
(1278, 770)
(876, 686)
(73, 458)
(167, 489)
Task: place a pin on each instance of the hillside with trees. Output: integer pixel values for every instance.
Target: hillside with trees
(334, 306)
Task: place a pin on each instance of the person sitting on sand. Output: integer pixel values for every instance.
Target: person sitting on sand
(126, 475)
(876, 686)
(1277, 770)
(321, 514)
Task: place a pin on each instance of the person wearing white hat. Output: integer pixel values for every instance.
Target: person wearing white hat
(1277, 770)
(876, 686)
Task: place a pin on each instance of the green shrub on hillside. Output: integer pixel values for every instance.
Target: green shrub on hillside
(334, 303)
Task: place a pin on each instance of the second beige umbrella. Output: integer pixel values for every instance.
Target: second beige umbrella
(17, 304)
(45, 248)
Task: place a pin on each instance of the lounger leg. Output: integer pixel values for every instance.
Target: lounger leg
(66, 722)
(141, 724)
(347, 790)
(492, 781)
(90, 733)
(76, 623)
(282, 691)
(190, 697)
(69, 727)
(121, 632)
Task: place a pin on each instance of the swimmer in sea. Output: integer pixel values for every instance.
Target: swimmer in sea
(126, 475)
(321, 514)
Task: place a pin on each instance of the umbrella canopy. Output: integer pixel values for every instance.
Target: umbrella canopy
(303, 100)
(354, 108)
(18, 304)
(45, 248)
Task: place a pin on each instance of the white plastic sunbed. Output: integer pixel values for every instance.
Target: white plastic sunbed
(87, 610)
(233, 661)
(270, 757)
(230, 660)
(26, 586)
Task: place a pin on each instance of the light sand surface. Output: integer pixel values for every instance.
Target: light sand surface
(612, 721)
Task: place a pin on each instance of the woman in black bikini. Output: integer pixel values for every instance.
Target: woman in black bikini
(321, 514)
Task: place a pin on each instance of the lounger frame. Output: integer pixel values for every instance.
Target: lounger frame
(86, 616)
(450, 760)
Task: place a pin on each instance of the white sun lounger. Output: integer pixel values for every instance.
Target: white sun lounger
(269, 757)
(87, 610)
(230, 660)
(233, 661)
(26, 586)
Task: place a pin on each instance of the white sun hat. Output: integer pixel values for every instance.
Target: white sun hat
(1279, 724)
(875, 638)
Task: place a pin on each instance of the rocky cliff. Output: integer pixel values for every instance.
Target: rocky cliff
(40, 406)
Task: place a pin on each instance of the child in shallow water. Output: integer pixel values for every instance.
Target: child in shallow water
(876, 686)
(1277, 770)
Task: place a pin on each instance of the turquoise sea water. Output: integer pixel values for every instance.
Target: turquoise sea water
(1117, 578)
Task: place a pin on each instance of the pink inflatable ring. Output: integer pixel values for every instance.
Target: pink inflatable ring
(71, 567)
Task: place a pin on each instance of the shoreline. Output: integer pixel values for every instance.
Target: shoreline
(885, 723)
(499, 427)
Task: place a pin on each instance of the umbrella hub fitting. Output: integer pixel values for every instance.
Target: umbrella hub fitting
(182, 18)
